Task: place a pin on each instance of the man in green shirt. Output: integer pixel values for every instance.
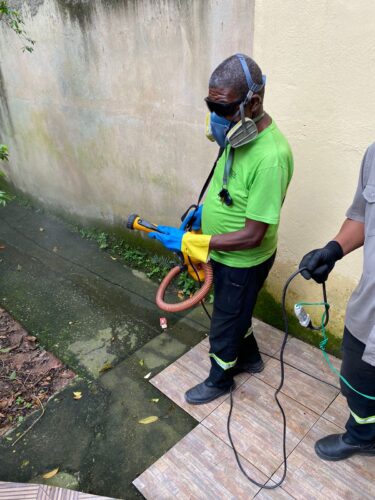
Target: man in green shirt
(239, 218)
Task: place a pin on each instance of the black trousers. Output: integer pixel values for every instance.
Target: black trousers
(236, 292)
(360, 427)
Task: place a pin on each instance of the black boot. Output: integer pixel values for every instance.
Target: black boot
(334, 447)
(204, 393)
(248, 366)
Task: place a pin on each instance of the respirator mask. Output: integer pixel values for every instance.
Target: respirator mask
(233, 132)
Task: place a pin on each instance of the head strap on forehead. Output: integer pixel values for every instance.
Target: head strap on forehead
(253, 87)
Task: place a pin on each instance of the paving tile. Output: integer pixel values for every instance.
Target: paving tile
(25, 491)
(277, 494)
(256, 424)
(191, 369)
(200, 466)
(197, 361)
(15, 491)
(308, 391)
(269, 338)
(309, 477)
(174, 381)
(338, 412)
(310, 360)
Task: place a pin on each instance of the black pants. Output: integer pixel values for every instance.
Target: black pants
(236, 292)
(361, 376)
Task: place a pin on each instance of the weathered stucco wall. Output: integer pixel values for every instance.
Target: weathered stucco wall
(106, 116)
(320, 62)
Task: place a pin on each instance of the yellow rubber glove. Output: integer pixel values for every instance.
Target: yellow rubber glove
(196, 246)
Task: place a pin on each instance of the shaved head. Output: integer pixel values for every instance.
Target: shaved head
(229, 74)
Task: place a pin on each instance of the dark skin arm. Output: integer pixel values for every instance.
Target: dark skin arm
(250, 236)
(351, 235)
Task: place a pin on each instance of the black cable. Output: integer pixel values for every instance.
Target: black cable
(200, 284)
(282, 377)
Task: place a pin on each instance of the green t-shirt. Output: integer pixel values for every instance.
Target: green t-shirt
(258, 182)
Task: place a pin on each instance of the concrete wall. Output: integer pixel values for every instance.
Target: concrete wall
(320, 63)
(106, 116)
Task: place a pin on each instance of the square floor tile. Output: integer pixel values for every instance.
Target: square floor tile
(269, 338)
(308, 391)
(200, 466)
(310, 477)
(276, 494)
(174, 381)
(311, 360)
(188, 371)
(338, 412)
(256, 424)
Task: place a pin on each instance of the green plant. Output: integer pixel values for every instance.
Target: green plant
(187, 284)
(13, 19)
(4, 153)
(154, 266)
(4, 196)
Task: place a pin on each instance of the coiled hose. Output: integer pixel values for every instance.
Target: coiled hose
(198, 296)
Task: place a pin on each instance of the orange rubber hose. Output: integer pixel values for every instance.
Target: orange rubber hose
(190, 302)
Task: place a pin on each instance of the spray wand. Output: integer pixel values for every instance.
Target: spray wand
(202, 273)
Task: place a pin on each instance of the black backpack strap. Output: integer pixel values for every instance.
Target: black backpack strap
(210, 175)
(205, 186)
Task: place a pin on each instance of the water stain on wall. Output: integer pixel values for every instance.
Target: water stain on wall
(77, 11)
(33, 5)
(5, 115)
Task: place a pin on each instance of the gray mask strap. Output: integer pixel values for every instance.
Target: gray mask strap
(242, 111)
(258, 118)
(228, 168)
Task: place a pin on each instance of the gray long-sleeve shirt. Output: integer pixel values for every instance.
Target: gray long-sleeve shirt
(360, 313)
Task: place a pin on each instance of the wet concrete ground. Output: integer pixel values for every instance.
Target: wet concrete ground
(90, 311)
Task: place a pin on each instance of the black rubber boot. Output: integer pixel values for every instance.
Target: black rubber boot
(255, 367)
(334, 447)
(204, 393)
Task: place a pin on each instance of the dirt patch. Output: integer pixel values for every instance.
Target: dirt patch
(29, 375)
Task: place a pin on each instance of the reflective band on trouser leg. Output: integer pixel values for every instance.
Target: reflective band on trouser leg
(225, 365)
(364, 420)
(249, 332)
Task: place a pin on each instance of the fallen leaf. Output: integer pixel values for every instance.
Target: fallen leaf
(30, 338)
(77, 395)
(19, 268)
(5, 349)
(113, 258)
(50, 474)
(148, 420)
(55, 249)
(155, 400)
(13, 376)
(25, 463)
(2, 247)
(180, 294)
(141, 362)
(148, 375)
(41, 229)
(105, 367)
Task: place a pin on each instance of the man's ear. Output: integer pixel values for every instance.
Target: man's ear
(254, 107)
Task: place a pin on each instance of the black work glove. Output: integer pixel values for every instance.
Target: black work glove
(320, 262)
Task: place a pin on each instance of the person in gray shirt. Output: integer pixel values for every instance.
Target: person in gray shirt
(358, 364)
